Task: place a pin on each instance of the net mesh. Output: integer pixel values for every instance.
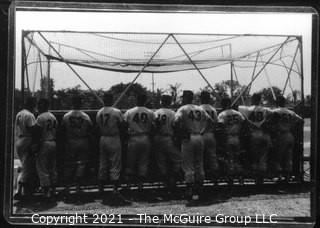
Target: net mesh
(273, 57)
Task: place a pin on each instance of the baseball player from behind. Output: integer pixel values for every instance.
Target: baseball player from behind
(210, 156)
(24, 132)
(192, 121)
(77, 127)
(139, 121)
(46, 124)
(110, 121)
(284, 124)
(167, 155)
(232, 122)
(259, 139)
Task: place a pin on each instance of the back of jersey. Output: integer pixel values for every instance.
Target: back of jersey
(285, 119)
(256, 115)
(212, 112)
(24, 120)
(164, 120)
(139, 120)
(77, 124)
(232, 121)
(108, 120)
(48, 123)
(192, 118)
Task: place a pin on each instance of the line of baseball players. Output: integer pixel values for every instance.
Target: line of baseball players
(248, 140)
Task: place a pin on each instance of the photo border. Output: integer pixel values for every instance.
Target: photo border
(159, 8)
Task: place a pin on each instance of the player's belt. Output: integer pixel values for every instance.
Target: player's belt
(138, 134)
(110, 135)
(196, 133)
(24, 136)
(48, 140)
(165, 135)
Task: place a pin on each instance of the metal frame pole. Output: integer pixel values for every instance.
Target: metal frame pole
(235, 75)
(290, 69)
(191, 61)
(144, 66)
(268, 80)
(231, 75)
(72, 69)
(22, 67)
(254, 78)
(254, 69)
(49, 81)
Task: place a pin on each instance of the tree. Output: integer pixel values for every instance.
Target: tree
(268, 95)
(174, 91)
(46, 87)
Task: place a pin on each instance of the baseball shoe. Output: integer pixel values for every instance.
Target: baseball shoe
(195, 201)
(116, 199)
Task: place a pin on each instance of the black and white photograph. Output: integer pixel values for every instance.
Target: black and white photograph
(161, 115)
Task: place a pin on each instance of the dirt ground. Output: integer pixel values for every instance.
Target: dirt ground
(284, 200)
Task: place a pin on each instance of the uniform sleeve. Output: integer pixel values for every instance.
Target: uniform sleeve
(39, 121)
(125, 116)
(98, 117)
(30, 120)
(178, 115)
(242, 118)
(89, 120)
(120, 117)
(221, 118)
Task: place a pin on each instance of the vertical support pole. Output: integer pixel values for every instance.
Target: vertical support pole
(23, 67)
(48, 93)
(301, 157)
(231, 75)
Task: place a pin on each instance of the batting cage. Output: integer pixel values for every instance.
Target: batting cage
(246, 63)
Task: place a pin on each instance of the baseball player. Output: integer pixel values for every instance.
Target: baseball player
(192, 121)
(77, 127)
(232, 122)
(24, 145)
(284, 123)
(110, 122)
(259, 139)
(139, 121)
(46, 124)
(168, 157)
(210, 156)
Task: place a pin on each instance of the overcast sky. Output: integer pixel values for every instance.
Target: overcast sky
(199, 23)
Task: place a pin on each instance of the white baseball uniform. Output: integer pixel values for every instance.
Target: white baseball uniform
(139, 120)
(77, 125)
(232, 122)
(192, 120)
(168, 157)
(109, 120)
(283, 138)
(23, 141)
(259, 140)
(210, 155)
(46, 158)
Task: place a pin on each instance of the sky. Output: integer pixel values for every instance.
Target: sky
(197, 23)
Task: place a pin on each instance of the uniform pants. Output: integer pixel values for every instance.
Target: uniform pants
(283, 152)
(259, 146)
(46, 163)
(168, 157)
(110, 158)
(138, 156)
(233, 150)
(192, 159)
(76, 156)
(210, 155)
(27, 159)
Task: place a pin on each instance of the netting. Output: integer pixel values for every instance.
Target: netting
(265, 60)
